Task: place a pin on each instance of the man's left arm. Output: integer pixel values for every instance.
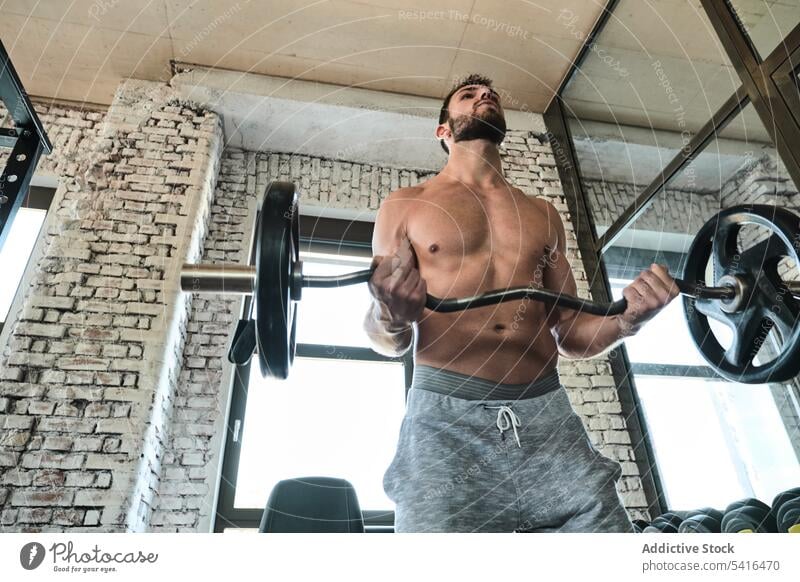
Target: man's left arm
(582, 335)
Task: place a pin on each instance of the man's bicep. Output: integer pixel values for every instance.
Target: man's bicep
(383, 235)
(388, 230)
(558, 274)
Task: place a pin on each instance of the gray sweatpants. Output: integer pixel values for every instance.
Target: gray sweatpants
(465, 463)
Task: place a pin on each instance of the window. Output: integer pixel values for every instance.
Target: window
(766, 23)
(16, 252)
(332, 417)
(337, 415)
(714, 441)
(646, 86)
(717, 441)
(664, 129)
(328, 314)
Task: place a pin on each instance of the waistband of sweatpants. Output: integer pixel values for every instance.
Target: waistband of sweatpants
(457, 385)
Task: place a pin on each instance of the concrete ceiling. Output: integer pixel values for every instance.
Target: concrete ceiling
(261, 112)
(80, 49)
(657, 64)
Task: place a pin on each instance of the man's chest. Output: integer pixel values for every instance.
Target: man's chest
(459, 226)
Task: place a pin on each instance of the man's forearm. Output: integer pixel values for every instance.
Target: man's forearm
(586, 335)
(388, 338)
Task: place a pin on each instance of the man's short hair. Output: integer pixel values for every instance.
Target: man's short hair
(444, 114)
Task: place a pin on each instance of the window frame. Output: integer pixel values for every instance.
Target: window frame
(330, 235)
(27, 140)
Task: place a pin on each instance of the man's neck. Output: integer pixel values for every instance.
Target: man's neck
(475, 163)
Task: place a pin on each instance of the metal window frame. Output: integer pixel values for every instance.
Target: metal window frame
(228, 516)
(764, 84)
(27, 140)
(600, 288)
(697, 144)
(787, 80)
(682, 370)
(759, 79)
(760, 82)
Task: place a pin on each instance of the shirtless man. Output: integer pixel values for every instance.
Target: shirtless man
(489, 440)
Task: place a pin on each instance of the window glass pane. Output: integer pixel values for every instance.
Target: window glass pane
(333, 316)
(738, 167)
(717, 442)
(15, 253)
(331, 418)
(652, 79)
(767, 22)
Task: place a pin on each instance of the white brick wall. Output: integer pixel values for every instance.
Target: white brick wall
(92, 354)
(677, 211)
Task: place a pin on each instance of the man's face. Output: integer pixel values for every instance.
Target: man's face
(476, 113)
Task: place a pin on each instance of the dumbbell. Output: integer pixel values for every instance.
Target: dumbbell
(788, 516)
(665, 523)
(788, 520)
(705, 520)
(783, 497)
(749, 516)
(786, 507)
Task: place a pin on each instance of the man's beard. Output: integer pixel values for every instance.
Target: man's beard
(488, 124)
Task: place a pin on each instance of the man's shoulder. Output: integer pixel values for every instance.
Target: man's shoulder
(542, 204)
(407, 193)
(395, 208)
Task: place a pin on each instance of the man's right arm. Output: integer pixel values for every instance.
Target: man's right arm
(398, 293)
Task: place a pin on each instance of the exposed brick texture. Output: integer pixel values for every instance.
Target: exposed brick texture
(89, 369)
(679, 211)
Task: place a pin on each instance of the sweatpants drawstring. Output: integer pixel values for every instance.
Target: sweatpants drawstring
(506, 418)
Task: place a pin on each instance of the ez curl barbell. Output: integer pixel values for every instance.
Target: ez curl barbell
(749, 296)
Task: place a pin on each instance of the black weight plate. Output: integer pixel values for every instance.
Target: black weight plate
(243, 344)
(785, 496)
(768, 305)
(706, 511)
(295, 259)
(748, 502)
(748, 518)
(275, 251)
(789, 516)
(671, 518)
